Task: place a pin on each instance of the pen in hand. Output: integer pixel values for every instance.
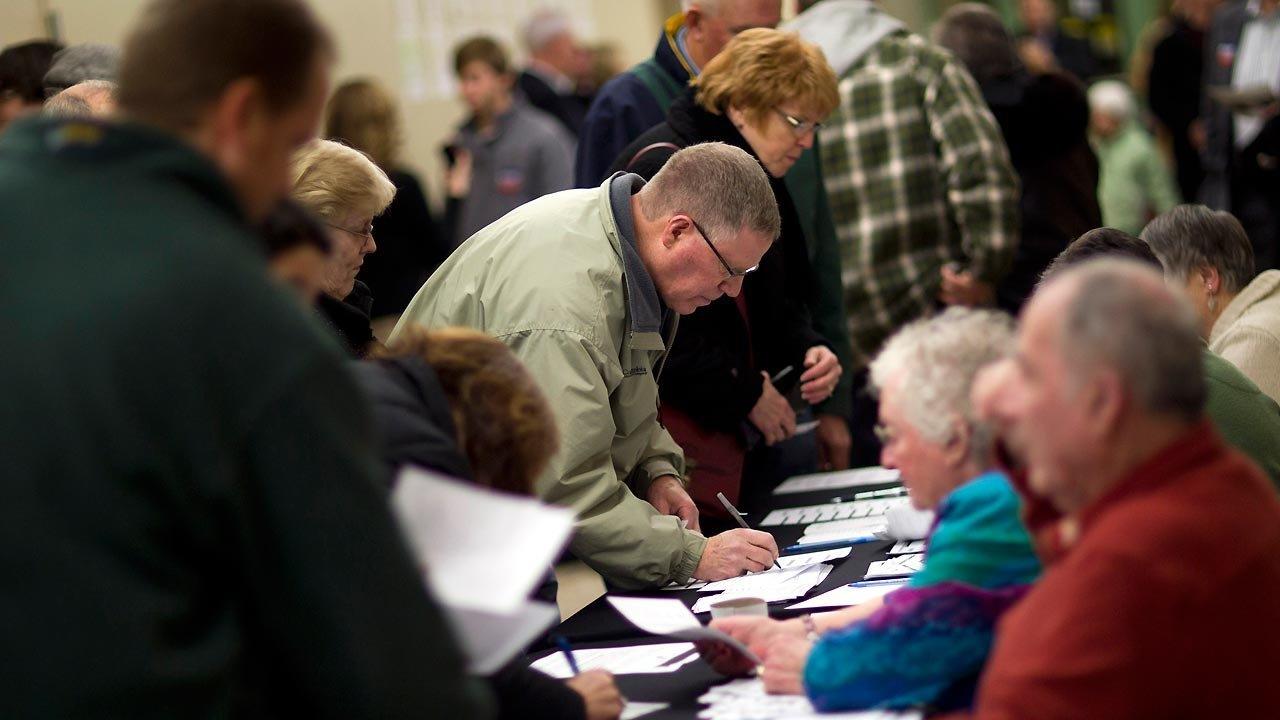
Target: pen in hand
(563, 644)
(738, 517)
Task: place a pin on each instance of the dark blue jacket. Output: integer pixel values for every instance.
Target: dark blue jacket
(626, 107)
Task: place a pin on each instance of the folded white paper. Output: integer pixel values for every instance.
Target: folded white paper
(629, 660)
(489, 640)
(671, 618)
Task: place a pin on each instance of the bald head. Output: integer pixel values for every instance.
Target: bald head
(91, 98)
(1120, 316)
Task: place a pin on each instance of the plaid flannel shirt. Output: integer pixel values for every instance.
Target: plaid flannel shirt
(918, 176)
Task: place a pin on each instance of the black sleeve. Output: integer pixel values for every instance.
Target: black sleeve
(526, 694)
(436, 243)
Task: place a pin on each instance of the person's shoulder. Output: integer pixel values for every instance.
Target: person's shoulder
(622, 90)
(1227, 381)
(539, 126)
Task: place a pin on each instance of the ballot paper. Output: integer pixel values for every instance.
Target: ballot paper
(491, 640)
(837, 530)
(633, 709)
(671, 618)
(479, 549)
(858, 477)
(746, 699)
(813, 558)
(806, 514)
(772, 586)
(906, 547)
(630, 660)
(896, 566)
(854, 594)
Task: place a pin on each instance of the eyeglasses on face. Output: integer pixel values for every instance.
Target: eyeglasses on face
(797, 125)
(728, 270)
(367, 233)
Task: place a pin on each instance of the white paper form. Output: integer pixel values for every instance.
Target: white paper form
(907, 547)
(836, 530)
(633, 709)
(806, 514)
(491, 640)
(858, 477)
(747, 700)
(630, 660)
(812, 558)
(847, 595)
(480, 549)
(894, 566)
(672, 619)
(789, 588)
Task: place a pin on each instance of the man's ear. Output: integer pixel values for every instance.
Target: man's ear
(1104, 401)
(676, 228)
(234, 121)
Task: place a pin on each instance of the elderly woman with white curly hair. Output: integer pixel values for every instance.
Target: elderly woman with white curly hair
(923, 644)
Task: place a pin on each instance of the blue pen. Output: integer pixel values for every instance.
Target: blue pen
(873, 583)
(831, 545)
(563, 644)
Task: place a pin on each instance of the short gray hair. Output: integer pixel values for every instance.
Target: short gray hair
(79, 63)
(720, 186)
(976, 35)
(543, 27)
(1189, 237)
(937, 359)
(1123, 317)
(1113, 99)
(81, 100)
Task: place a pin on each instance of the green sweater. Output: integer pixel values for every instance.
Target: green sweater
(191, 522)
(1134, 180)
(1248, 420)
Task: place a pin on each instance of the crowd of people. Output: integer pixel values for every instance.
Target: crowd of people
(1049, 299)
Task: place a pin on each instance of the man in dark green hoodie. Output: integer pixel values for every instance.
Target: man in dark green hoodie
(191, 523)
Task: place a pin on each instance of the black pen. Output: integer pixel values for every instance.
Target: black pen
(738, 516)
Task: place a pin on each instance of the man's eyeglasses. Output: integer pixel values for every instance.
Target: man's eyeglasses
(798, 126)
(707, 239)
(367, 233)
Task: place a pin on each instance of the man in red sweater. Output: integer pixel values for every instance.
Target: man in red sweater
(1161, 597)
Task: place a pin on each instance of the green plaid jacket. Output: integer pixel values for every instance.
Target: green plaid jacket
(918, 176)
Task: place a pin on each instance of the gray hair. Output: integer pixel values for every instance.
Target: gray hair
(976, 35)
(1113, 99)
(81, 100)
(1189, 237)
(543, 27)
(720, 186)
(79, 63)
(1123, 317)
(937, 360)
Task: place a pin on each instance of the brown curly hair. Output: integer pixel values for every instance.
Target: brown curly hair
(504, 424)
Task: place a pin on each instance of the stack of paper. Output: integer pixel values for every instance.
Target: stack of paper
(747, 700)
(672, 619)
(661, 658)
(858, 477)
(907, 547)
(852, 594)
(806, 514)
(897, 566)
(482, 553)
(854, 529)
(769, 586)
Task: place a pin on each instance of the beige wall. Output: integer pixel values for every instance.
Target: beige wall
(366, 36)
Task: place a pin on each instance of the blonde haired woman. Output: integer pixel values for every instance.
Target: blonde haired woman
(346, 190)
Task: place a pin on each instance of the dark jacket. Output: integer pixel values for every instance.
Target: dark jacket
(193, 520)
(1044, 120)
(713, 370)
(415, 427)
(349, 319)
(410, 247)
(1174, 94)
(570, 110)
(626, 106)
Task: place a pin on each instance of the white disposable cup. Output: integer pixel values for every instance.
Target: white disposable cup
(739, 606)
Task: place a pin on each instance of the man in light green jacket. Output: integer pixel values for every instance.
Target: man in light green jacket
(585, 287)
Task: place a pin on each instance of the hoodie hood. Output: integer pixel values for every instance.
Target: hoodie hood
(844, 29)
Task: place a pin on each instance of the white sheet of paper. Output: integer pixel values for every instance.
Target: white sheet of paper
(489, 640)
(629, 660)
(813, 558)
(671, 618)
(853, 529)
(747, 700)
(826, 512)
(633, 709)
(479, 549)
(907, 547)
(691, 585)
(847, 595)
(858, 477)
(899, 565)
(905, 522)
(803, 582)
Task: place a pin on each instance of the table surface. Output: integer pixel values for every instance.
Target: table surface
(599, 625)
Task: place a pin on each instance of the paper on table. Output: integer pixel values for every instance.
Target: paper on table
(803, 583)
(813, 558)
(491, 640)
(825, 512)
(847, 595)
(762, 581)
(747, 700)
(633, 709)
(854, 528)
(900, 565)
(906, 547)
(629, 660)
(479, 549)
(661, 616)
(857, 477)
(905, 522)
(691, 585)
